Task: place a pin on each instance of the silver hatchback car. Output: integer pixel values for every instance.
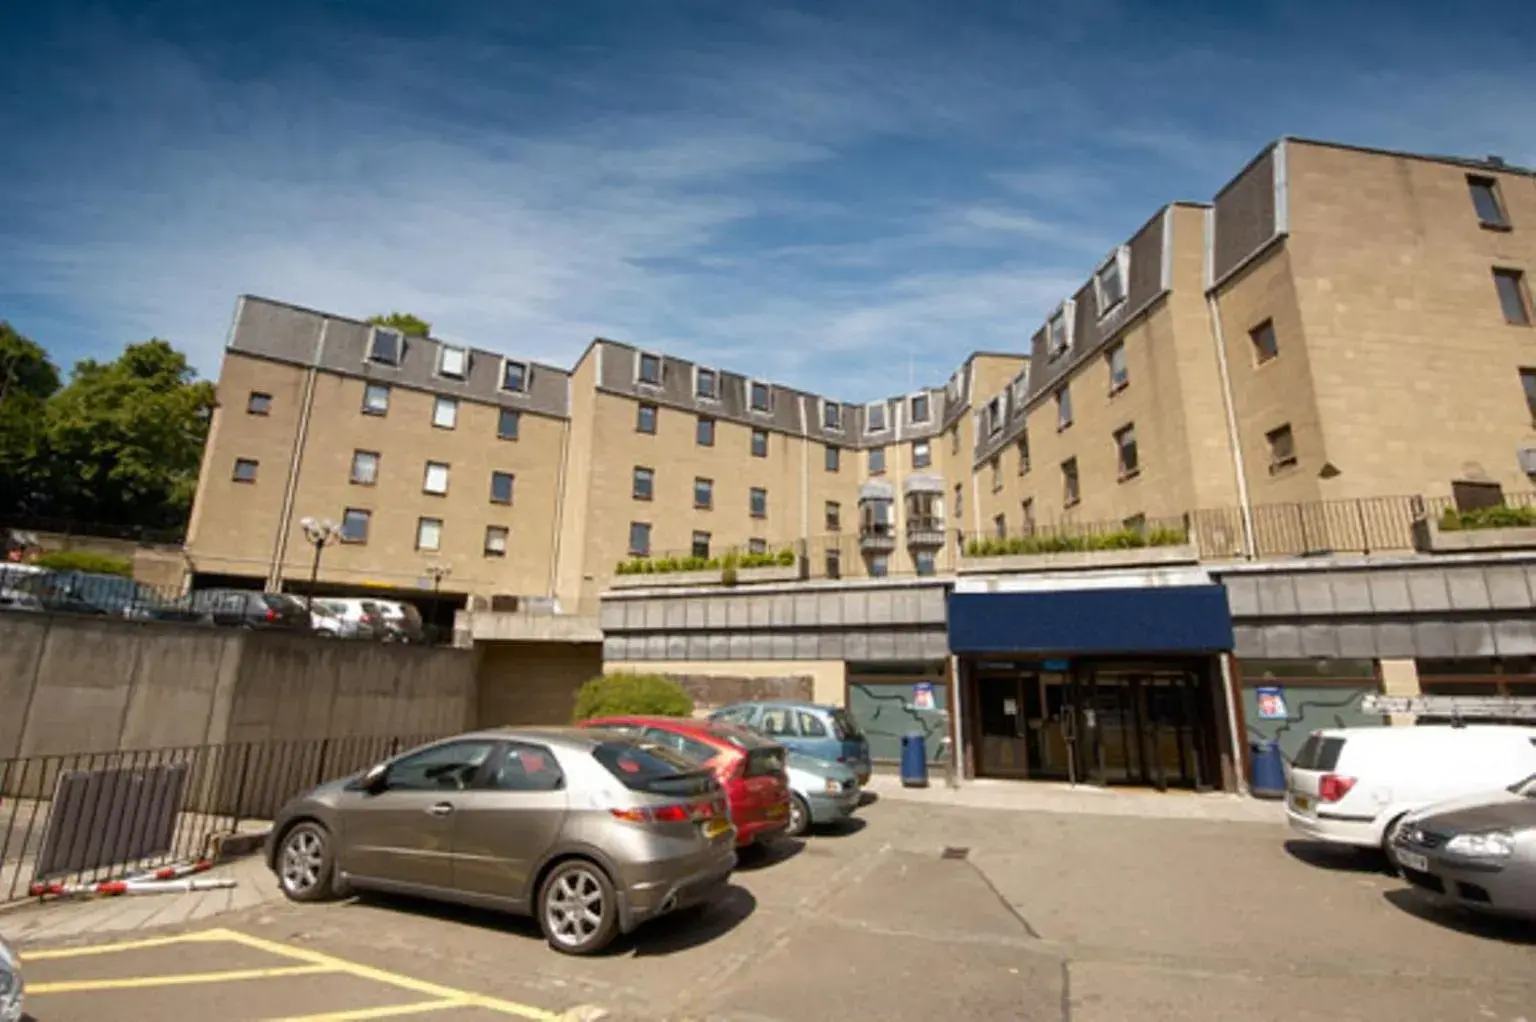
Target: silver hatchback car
(589, 831)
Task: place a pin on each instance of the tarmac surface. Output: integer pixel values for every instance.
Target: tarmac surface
(1029, 915)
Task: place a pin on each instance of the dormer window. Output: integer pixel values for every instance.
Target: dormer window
(452, 362)
(1020, 386)
(874, 417)
(706, 384)
(831, 415)
(648, 369)
(386, 346)
(918, 406)
(995, 416)
(1058, 330)
(759, 397)
(514, 376)
(1109, 282)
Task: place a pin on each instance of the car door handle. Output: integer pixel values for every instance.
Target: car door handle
(441, 809)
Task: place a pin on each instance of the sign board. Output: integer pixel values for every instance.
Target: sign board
(1057, 665)
(922, 696)
(1271, 703)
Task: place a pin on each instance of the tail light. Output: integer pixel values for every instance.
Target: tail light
(1333, 787)
(271, 614)
(673, 812)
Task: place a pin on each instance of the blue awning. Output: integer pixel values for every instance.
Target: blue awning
(1159, 619)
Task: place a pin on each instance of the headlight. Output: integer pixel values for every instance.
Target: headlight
(1492, 844)
(834, 787)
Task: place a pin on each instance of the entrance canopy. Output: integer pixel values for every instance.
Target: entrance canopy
(1157, 619)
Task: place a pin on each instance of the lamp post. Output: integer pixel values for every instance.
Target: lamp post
(321, 533)
(436, 571)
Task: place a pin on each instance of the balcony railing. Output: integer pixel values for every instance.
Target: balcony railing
(877, 537)
(925, 531)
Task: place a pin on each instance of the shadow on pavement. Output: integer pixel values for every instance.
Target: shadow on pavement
(690, 927)
(842, 828)
(1343, 858)
(1474, 924)
(762, 855)
(868, 798)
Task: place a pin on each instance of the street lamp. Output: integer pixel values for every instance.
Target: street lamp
(321, 533)
(436, 571)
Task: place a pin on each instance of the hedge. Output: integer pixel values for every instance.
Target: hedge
(1499, 516)
(1121, 539)
(784, 558)
(83, 560)
(622, 695)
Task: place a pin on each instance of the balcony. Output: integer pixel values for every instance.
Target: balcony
(877, 538)
(925, 531)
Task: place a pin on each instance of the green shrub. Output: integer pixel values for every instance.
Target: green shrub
(613, 695)
(1500, 516)
(1120, 539)
(727, 564)
(81, 560)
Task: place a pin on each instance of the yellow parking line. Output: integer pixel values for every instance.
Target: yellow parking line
(143, 982)
(460, 997)
(363, 1014)
(107, 949)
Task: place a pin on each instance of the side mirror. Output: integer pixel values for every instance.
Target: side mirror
(373, 780)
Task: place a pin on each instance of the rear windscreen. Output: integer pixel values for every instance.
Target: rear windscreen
(1319, 753)
(844, 726)
(653, 769)
(762, 762)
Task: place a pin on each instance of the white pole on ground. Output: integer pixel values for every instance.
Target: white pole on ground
(1237, 739)
(952, 768)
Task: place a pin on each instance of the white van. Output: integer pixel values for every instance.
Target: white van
(1354, 785)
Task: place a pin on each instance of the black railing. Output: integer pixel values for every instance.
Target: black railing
(84, 818)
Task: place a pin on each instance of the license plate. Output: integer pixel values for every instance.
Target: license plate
(1301, 803)
(777, 810)
(1412, 860)
(716, 827)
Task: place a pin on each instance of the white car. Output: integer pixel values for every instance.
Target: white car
(12, 990)
(1354, 786)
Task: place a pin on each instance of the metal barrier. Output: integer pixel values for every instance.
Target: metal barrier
(88, 817)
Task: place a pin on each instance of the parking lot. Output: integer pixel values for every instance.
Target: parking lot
(1030, 916)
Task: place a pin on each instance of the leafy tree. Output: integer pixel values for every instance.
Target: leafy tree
(27, 380)
(125, 438)
(613, 695)
(404, 322)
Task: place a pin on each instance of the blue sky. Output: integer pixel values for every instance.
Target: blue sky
(836, 195)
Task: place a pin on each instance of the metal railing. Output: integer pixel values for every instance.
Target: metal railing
(148, 535)
(88, 817)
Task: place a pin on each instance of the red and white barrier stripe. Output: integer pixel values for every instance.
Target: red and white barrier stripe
(155, 881)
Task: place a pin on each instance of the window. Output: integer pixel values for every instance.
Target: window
(757, 546)
(1109, 281)
(875, 517)
(1020, 386)
(1063, 409)
(445, 413)
(258, 403)
(436, 479)
(922, 454)
(365, 467)
(1000, 525)
(879, 566)
(997, 472)
(959, 502)
(1265, 344)
(375, 399)
(354, 525)
(1512, 296)
(833, 458)
(496, 540)
(640, 539)
(429, 533)
(1023, 448)
(1070, 494)
(1282, 448)
(923, 561)
(759, 397)
(703, 493)
(954, 439)
(1119, 376)
(995, 416)
(501, 487)
(1528, 382)
(245, 470)
(877, 461)
(834, 562)
(1027, 506)
(834, 516)
(514, 376)
(643, 486)
(917, 405)
(386, 346)
(508, 421)
(1127, 461)
(449, 767)
(874, 417)
(759, 443)
(648, 369)
(1485, 200)
(701, 545)
(704, 432)
(1058, 330)
(831, 415)
(706, 384)
(810, 725)
(757, 502)
(526, 768)
(645, 419)
(452, 362)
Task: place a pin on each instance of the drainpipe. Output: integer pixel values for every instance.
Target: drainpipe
(1243, 500)
(561, 481)
(805, 472)
(285, 523)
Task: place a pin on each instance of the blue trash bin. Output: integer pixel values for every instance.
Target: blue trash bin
(914, 760)
(1268, 780)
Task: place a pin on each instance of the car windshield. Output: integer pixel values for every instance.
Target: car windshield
(651, 768)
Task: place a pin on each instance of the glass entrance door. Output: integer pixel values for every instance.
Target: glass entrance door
(1000, 705)
(1143, 728)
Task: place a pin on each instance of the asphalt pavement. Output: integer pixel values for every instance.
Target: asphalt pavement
(921, 912)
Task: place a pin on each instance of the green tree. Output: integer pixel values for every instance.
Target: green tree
(404, 322)
(125, 438)
(27, 380)
(616, 695)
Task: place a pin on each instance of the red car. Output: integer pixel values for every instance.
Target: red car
(749, 766)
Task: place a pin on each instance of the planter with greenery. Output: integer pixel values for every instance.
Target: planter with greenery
(1486, 528)
(776, 565)
(1122, 546)
(83, 560)
(622, 695)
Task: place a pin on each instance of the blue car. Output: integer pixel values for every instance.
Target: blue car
(813, 729)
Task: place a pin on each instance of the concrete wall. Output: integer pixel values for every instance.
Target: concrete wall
(533, 682)
(713, 684)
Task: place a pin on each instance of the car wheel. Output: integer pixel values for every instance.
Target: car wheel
(305, 863)
(799, 817)
(1388, 839)
(578, 908)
